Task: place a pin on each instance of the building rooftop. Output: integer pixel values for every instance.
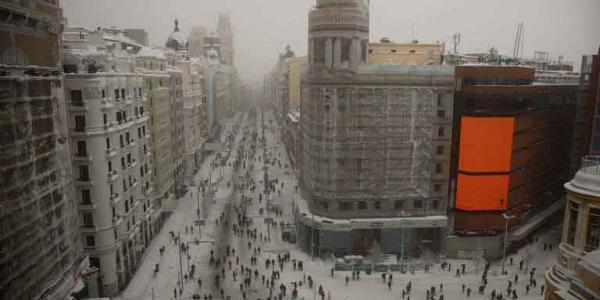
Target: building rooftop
(587, 180)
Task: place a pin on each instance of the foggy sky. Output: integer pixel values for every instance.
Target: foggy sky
(263, 28)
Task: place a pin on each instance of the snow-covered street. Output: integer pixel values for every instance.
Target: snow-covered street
(230, 260)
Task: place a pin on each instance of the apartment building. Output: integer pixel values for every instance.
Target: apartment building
(109, 136)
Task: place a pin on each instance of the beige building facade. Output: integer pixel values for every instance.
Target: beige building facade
(412, 54)
(577, 271)
(153, 65)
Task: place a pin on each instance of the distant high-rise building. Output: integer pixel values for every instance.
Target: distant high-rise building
(225, 33)
(196, 41)
(375, 143)
(140, 36)
(40, 249)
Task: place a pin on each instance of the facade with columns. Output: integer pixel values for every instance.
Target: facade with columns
(577, 270)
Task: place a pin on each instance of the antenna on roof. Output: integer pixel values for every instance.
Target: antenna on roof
(456, 40)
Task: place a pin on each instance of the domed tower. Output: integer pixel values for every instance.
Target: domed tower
(176, 40)
(338, 34)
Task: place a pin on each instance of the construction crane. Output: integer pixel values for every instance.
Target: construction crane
(518, 46)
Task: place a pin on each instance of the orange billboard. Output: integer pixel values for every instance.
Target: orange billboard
(482, 192)
(486, 144)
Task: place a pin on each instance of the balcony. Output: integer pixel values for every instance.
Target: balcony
(81, 156)
(112, 175)
(111, 152)
(77, 106)
(87, 228)
(87, 206)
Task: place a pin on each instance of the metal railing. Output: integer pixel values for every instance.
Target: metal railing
(590, 165)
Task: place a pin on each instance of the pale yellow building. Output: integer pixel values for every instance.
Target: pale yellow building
(152, 64)
(294, 66)
(192, 86)
(387, 52)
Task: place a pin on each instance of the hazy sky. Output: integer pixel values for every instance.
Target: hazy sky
(264, 27)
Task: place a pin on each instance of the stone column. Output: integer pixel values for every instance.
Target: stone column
(328, 53)
(354, 50)
(311, 52)
(337, 53)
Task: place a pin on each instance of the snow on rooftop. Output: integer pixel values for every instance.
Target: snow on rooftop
(148, 52)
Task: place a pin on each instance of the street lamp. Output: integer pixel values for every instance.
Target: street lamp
(506, 219)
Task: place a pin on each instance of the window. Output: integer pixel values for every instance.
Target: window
(86, 198)
(105, 119)
(90, 241)
(127, 138)
(393, 50)
(139, 130)
(441, 113)
(418, 203)
(398, 204)
(435, 204)
(124, 185)
(439, 150)
(76, 98)
(592, 241)
(145, 149)
(81, 148)
(118, 114)
(130, 181)
(107, 143)
(128, 158)
(121, 140)
(142, 171)
(141, 110)
(362, 205)
(437, 187)
(84, 173)
(572, 226)
(117, 94)
(377, 204)
(88, 219)
(123, 93)
(109, 166)
(79, 123)
(111, 189)
(136, 111)
(124, 113)
(345, 205)
(441, 132)
(438, 168)
(123, 163)
(412, 51)
(103, 93)
(144, 130)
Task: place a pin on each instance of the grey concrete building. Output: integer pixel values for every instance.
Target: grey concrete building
(40, 250)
